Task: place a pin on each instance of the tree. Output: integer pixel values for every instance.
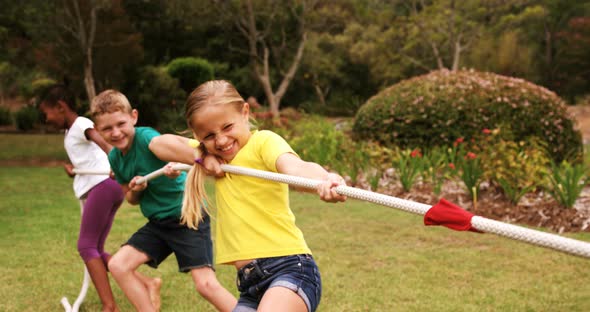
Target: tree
(328, 69)
(542, 28)
(446, 27)
(575, 61)
(170, 28)
(80, 23)
(87, 40)
(274, 34)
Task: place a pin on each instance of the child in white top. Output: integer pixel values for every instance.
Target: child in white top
(100, 195)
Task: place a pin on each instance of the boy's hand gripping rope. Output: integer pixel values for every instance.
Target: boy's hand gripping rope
(481, 224)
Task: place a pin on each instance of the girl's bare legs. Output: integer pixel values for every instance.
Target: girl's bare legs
(281, 299)
(209, 287)
(138, 288)
(100, 279)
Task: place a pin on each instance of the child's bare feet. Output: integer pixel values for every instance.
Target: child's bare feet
(153, 287)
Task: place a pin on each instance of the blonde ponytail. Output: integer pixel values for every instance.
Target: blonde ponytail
(195, 199)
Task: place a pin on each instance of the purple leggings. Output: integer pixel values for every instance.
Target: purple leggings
(100, 207)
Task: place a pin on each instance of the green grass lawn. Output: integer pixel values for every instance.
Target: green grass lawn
(372, 258)
(29, 147)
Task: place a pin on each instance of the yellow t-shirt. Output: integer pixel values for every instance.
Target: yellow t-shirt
(254, 219)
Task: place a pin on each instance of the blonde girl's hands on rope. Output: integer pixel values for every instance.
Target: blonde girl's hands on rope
(291, 164)
(211, 165)
(327, 190)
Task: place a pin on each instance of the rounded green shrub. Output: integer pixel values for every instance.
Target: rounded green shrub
(442, 106)
(26, 118)
(191, 72)
(5, 116)
(40, 85)
(159, 99)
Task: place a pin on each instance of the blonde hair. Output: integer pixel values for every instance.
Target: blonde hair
(194, 200)
(214, 92)
(109, 101)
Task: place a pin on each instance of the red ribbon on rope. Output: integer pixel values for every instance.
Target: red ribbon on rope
(450, 215)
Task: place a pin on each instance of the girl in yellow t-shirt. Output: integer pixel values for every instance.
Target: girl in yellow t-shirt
(256, 230)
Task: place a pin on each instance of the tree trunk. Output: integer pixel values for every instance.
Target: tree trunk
(84, 31)
(320, 94)
(456, 56)
(89, 77)
(261, 67)
(288, 76)
(264, 78)
(439, 60)
(548, 55)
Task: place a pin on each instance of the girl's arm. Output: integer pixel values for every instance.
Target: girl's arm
(93, 135)
(173, 148)
(69, 168)
(290, 164)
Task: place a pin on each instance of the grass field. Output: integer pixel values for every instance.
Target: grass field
(32, 147)
(372, 258)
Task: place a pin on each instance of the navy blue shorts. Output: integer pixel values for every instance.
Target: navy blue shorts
(298, 273)
(159, 238)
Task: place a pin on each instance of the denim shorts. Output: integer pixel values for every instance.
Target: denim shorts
(298, 273)
(159, 238)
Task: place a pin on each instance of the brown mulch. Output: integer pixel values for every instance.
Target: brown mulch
(534, 209)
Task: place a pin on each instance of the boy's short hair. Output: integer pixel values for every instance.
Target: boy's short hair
(109, 101)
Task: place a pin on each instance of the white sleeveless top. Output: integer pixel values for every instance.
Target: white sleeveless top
(85, 154)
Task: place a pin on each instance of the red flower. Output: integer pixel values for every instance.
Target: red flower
(486, 131)
(415, 153)
(458, 141)
(452, 166)
(470, 155)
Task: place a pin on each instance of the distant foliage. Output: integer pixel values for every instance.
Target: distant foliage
(158, 98)
(32, 84)
(566, 182)
(315, 139)
(517, 167)
(38, 86)
(191, 72)
(26, 118)
(440, 107)
(5, 116)
(318, 140)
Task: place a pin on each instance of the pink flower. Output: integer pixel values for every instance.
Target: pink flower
(486, 131)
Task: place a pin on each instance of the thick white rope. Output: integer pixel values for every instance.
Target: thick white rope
(90, 171)
(159, 172)
(150, 176)
(85, 283)
(560, 243)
